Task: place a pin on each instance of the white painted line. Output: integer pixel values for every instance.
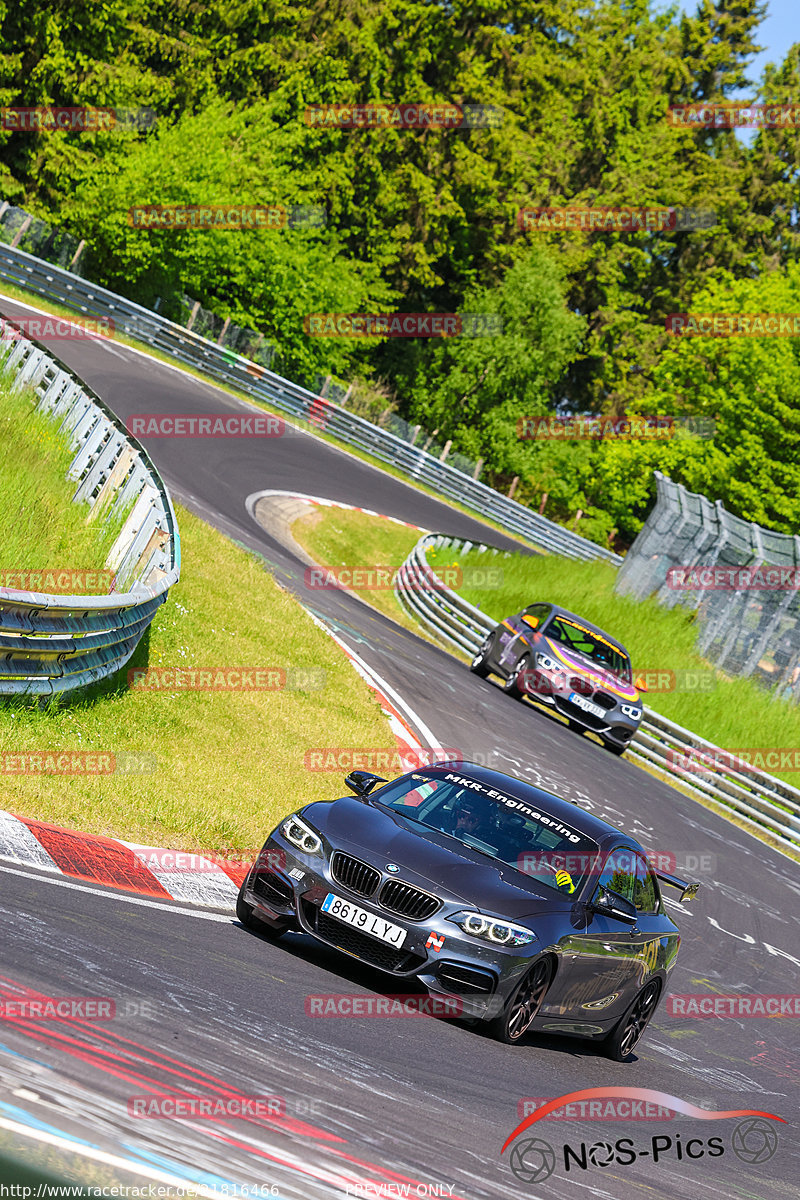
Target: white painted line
(138, 900)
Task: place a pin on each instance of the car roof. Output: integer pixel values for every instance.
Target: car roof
(563, 810)
(564, 612)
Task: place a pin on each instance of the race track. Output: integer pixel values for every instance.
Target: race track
(421, 1102)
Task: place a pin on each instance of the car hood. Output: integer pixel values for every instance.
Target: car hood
(431, 860)
(601, 677)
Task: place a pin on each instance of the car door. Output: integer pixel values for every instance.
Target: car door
(603, 963)
(516, 634)
(660, 945)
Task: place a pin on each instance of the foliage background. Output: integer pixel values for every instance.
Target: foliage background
(425, 220)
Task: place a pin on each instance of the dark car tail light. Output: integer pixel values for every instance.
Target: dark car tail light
(352, 873)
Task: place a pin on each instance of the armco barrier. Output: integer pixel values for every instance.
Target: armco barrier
(45, 279)
(55, 643)
(758, 799)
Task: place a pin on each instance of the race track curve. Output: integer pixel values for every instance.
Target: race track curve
(420, 1103)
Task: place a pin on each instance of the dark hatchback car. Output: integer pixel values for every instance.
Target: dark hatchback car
(524, 910)
(562, 661)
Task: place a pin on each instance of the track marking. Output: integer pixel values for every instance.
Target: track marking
(80, 887)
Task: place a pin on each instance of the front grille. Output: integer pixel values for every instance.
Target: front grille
(354, 874)
(408, 901)
(368, 949)
(604, 700)
(465, 980)
(271, 888)
(589, 719)
(580, 685)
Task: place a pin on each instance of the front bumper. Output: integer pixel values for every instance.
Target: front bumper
(613, 726)
(289, 892)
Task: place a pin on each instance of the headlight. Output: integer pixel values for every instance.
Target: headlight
(301, 835)
(548, 664)
(631, 711)
(490, 929)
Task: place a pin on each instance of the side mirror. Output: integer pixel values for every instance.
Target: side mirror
(640, 685)
(534, 622)
(362, 782)
(611, 904)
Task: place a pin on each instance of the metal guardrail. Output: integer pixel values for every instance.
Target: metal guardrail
(45, 279)
(743, 580)
(54, 643)
(761, 801)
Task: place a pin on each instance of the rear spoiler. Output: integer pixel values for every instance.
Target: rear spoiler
(688, 890)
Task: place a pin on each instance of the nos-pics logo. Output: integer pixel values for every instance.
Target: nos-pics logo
(753, 1139)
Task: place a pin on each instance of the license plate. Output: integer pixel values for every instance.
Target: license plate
(367, 922)
(587, 705)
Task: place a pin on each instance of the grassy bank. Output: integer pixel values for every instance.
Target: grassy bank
(735, 713)
(42, 529)
(220, 766)
(338, 538)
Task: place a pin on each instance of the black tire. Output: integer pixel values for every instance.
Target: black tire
(615, 749)
(513, 1022)
(627, 1034)
(511, 684)
(246, 916)
(479, 665)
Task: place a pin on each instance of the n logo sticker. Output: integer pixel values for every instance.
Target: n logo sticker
(435, 942)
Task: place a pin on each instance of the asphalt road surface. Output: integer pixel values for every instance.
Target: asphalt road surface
(416, 1103)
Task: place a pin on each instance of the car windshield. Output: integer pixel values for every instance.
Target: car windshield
(591, 645)
(497, 824)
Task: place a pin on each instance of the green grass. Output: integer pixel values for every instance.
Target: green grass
(337, 537)
(737, 714)
(228, 764)
(42, 529)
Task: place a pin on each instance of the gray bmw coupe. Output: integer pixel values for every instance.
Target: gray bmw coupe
(524, 910)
